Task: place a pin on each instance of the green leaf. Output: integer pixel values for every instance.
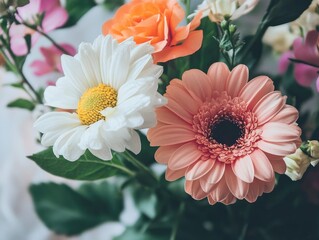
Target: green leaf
(284, 11)
(112, 4)
(76, 10)
(88, 167)
(67, 211)
(146, 201)
(147, 153)
(209, 52)
(134, 234)
(22, 103)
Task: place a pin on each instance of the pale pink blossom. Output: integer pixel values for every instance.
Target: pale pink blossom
(306, 51)
(52, 59)
(54, 16)
(225, 135)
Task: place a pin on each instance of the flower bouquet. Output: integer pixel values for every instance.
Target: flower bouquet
(178, 120)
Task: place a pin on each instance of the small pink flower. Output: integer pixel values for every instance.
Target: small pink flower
(52, 60)
(225, 135)
(54, 16)
(307, 51)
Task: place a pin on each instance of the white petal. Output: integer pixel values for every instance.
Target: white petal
(89, 60)
(134, 145)
(73, 71)
(67, 144)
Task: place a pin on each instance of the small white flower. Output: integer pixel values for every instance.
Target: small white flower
(112, 89)
(297, 164)
(216, 10)
(280, 38)
(313, 148)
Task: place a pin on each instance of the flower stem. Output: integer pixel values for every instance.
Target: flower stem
(118, 167)
(303, 62)
(15, 68)
(47, 37)
(139, 165)
(177, 221)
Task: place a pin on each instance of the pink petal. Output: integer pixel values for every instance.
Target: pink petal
(40, 68)
(199, 169)
(237, 80)
(194, 189)
(221, 191)
(262, 166)
(167, 116)
(308, 50)
(179, 110)
(184, 156)
(169, 135)
(230, 199)
(305, 74)
(255, 89)
(173, 175)
(236, 186)
(54, 19)
(287, 115)
(197, 82)
(182, 97)
(218, 74)
(163, 153)
(244, 169)
(279, 132)
(211, 201)
(284, 62)
(280, 149)
(269, 106)
(213, 177)
(279, 166)
(254, 191)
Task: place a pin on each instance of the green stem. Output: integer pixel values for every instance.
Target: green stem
(47, 37)
(303, 62)
(177, 221)
(118, 167)
(14, 67)
(257, 37)
(139, 165)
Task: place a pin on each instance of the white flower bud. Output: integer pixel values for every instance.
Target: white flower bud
(297, 164)
(313, 148)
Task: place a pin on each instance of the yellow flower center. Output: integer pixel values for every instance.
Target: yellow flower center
(93, 101)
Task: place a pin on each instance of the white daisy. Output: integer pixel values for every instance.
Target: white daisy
(112, 88)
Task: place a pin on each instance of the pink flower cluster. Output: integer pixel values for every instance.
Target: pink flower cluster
(54, 17)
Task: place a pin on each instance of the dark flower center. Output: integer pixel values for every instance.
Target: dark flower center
(226, 132)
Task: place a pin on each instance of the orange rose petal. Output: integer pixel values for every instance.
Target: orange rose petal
(189, 46)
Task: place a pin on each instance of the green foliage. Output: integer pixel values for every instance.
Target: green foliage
(69, 212)
(88, 167)
(147, 153)
(22, 103)
(209, 52)
(146, 201)
(284, 11)
(77, 9)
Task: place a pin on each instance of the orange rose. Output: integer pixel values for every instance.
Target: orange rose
(156, 21)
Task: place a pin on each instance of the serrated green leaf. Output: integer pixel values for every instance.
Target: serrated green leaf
(22, 103)
(67, 211)
(88, 167)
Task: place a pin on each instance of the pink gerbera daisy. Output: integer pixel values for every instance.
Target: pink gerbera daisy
(226, 135)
